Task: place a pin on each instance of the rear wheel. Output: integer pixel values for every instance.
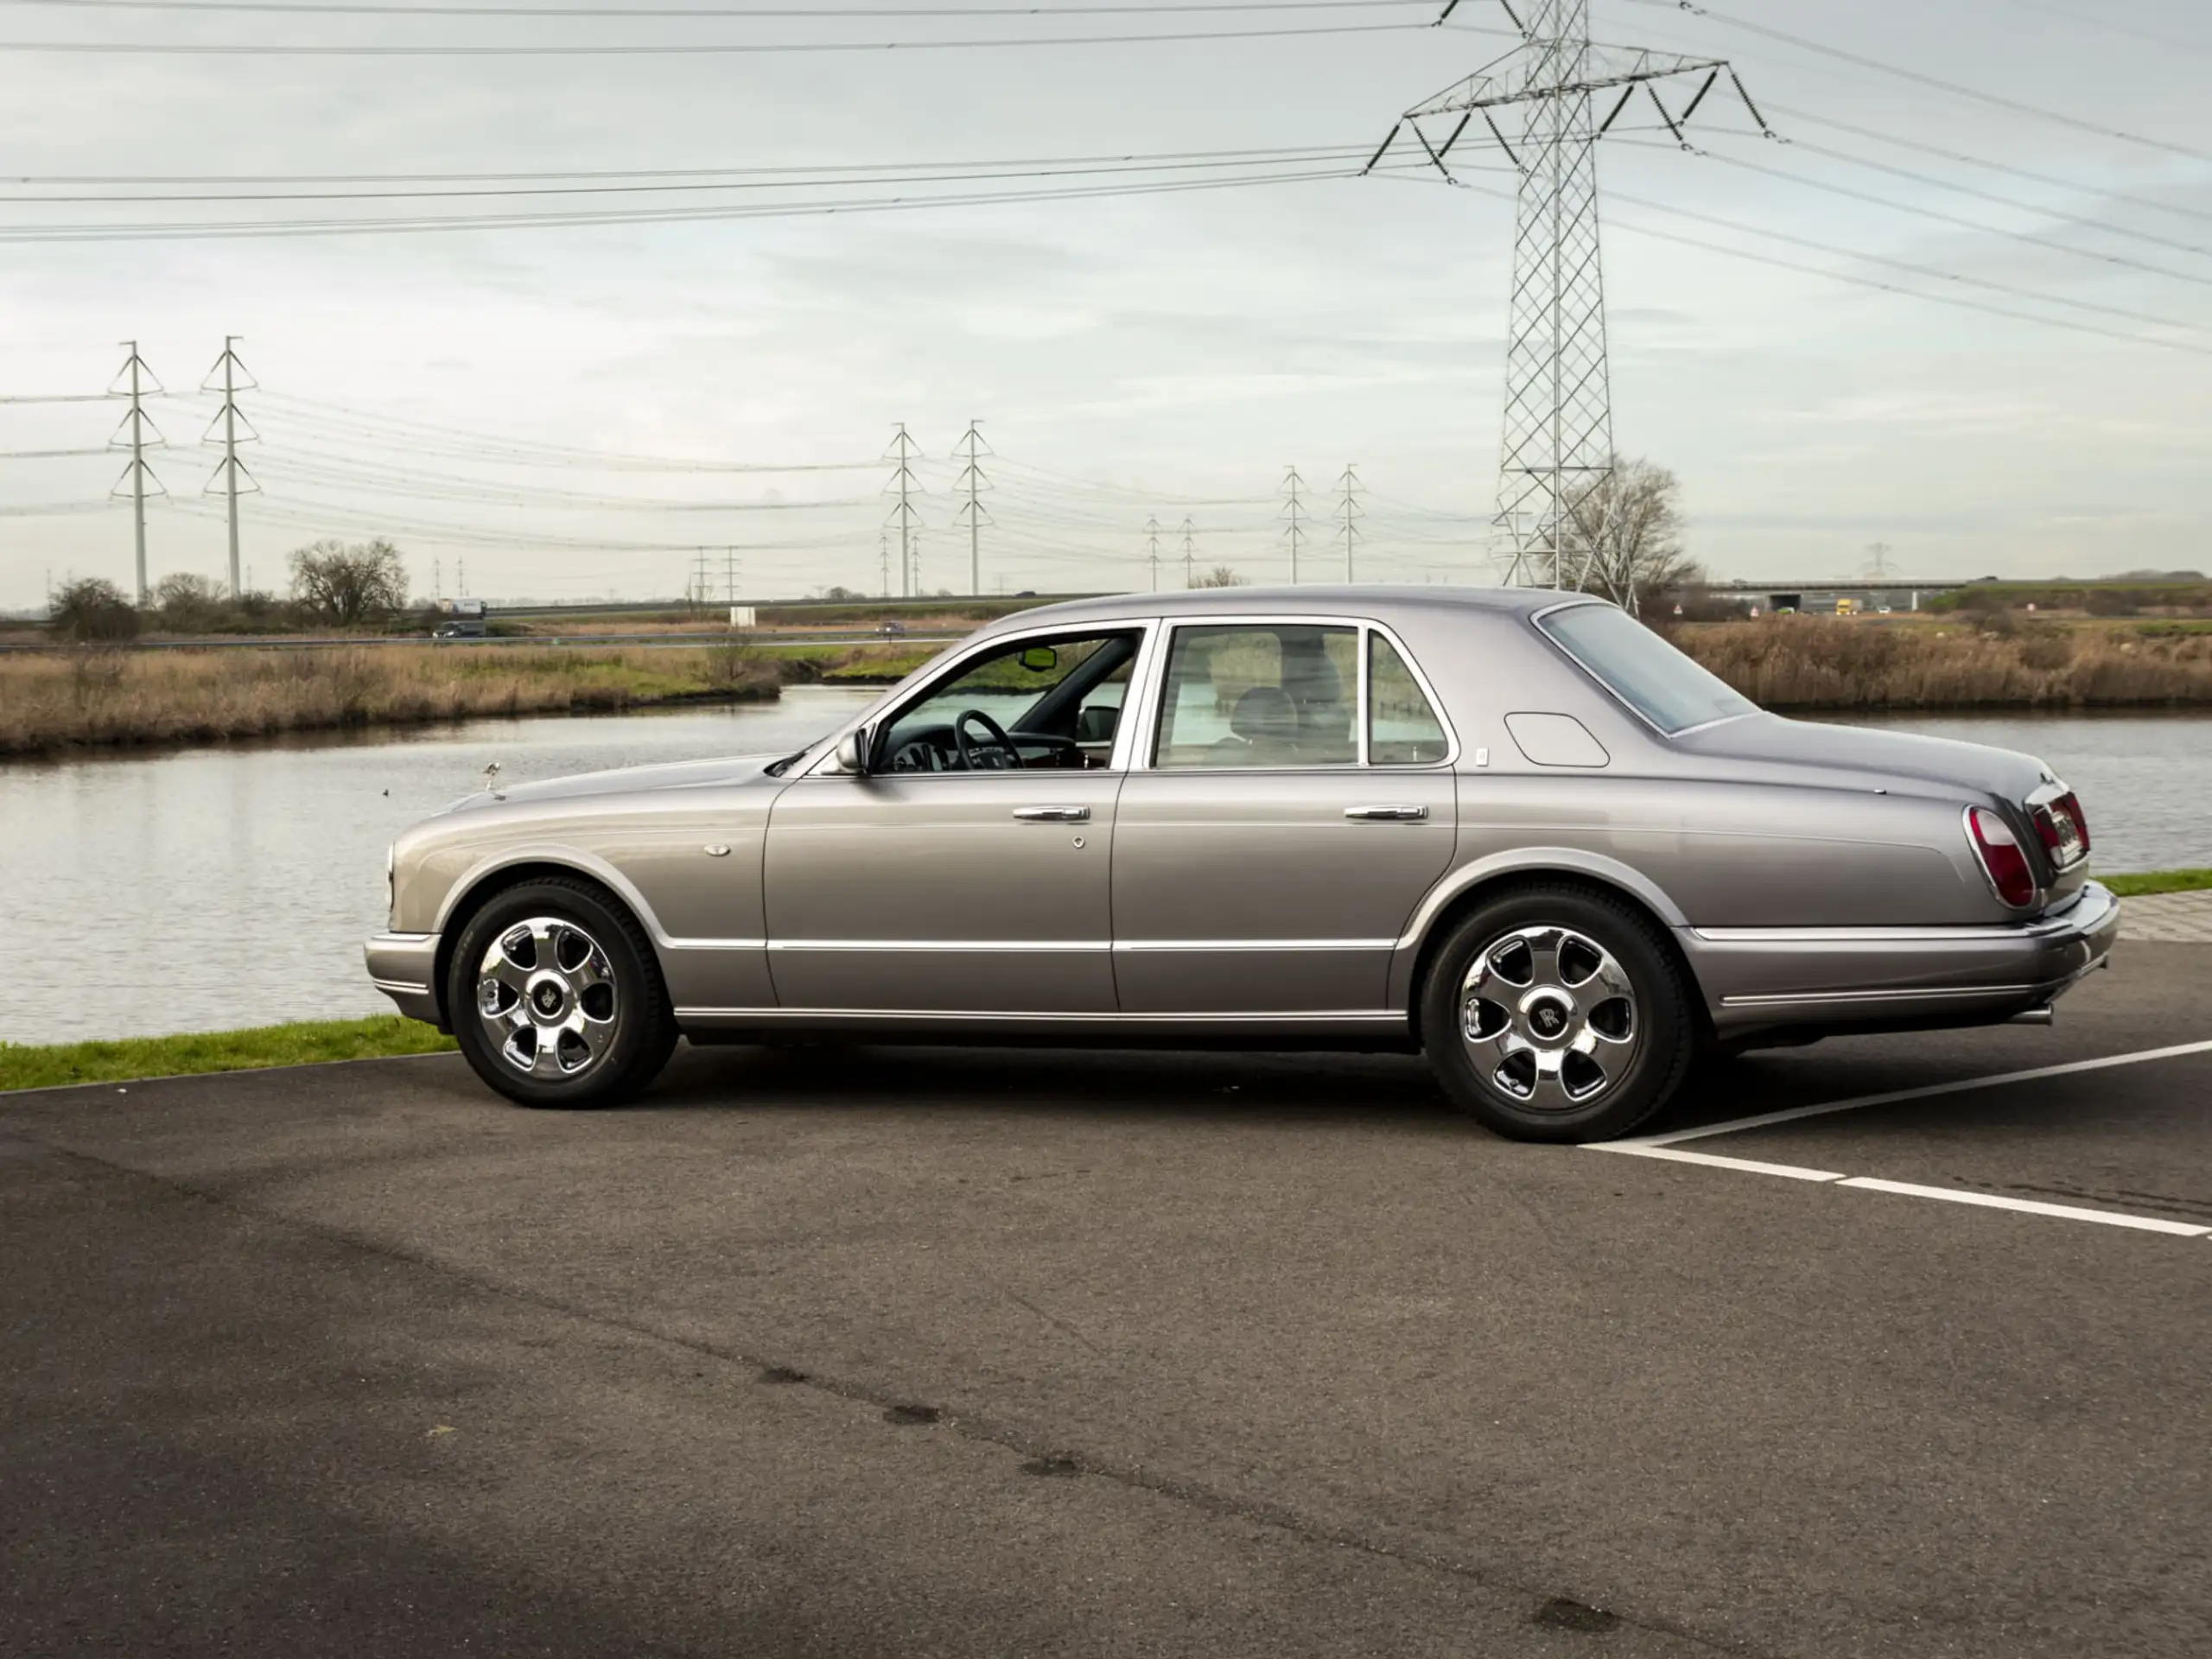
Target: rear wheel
(1556, 1013)
(555, 998)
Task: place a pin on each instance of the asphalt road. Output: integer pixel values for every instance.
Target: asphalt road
(903, 1351)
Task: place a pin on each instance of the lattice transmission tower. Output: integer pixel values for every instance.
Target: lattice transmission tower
(1545, 104)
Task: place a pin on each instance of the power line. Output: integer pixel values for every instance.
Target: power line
(2015, 171)
(2071, 15)
(692, 48)
(816, 178)
(138, 232)
(1276, 153)
(1938, 215)
(1996, 100)
(366, 8)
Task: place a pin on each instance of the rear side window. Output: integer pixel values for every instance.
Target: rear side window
(1402, 730)
(1642, 670)
(1272, 695)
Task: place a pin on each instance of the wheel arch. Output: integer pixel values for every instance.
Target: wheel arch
(495, 876)
(1476, 884)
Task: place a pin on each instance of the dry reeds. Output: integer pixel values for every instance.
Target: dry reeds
(1803, 661)
(96, 697)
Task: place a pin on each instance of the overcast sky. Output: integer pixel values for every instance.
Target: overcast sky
(1160, 354)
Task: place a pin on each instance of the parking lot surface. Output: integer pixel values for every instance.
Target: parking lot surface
(907, 1352)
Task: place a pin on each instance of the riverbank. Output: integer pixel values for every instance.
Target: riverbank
(1805, 662)
(103, 698)
(311, 1043)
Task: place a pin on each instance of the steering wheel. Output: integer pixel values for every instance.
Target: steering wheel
(972, 755)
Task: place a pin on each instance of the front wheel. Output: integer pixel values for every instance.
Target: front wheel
(556, 999)
(1556, 1013)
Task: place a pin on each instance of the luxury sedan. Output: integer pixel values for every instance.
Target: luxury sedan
(1516, 831)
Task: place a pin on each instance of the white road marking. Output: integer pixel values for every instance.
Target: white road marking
(1736, 1124)
(1663, 1147)
(2030, 1206)
(1638, 1149)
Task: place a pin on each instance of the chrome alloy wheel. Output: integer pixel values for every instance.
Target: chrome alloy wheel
(546, 994)
(1550, 1017)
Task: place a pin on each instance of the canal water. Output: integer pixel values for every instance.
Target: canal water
(218, 887)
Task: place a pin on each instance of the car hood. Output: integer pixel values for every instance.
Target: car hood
(626, 780)
(1862, 753)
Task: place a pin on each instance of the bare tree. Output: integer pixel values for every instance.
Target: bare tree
(1626, 534)
(90, 611)
(188, 603)
(346, 585)
(1220, 576)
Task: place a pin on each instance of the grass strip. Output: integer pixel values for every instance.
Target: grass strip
(309, 1043)
(2143, 886)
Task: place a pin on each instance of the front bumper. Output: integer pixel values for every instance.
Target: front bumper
(404, 967)
(1757, 978)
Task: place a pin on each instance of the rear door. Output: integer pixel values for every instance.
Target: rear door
(1293, 803)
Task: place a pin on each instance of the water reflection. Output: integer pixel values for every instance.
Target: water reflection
(232, 887)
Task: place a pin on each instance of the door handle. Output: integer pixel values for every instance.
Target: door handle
(1386, 814)
(1053, 813)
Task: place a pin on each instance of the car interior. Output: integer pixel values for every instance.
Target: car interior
(1036, 706)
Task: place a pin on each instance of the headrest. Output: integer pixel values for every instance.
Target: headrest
(1264, 712)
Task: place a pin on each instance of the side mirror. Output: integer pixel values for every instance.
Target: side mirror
(852, 752)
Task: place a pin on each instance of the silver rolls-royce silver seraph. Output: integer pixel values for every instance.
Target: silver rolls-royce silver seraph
(1516, 831)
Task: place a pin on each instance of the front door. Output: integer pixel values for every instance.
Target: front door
(969, 870)
(1272, 850)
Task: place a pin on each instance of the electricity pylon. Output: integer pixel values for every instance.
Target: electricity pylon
(138, 474)
(1558, 439)
(1152, 540)
(229, 472)
(1294, 511)
(1188, 532)
(1348, 514)
(972, 449)
(904, 452)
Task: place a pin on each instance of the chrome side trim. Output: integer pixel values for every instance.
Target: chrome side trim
(1257, 945)
(399, 986)
(1791, 936)
(1937, 993)
(714, 945)
(962, 1016)
(1027, 947)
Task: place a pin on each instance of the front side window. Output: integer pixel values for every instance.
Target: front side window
(1403, 729)
(1260, 695)
(1034, 705)
(1642, 670)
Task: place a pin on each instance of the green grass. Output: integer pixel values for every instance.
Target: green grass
(306, 1044)
(2138, 886)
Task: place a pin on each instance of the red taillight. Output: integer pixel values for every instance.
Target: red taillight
(2000, 855)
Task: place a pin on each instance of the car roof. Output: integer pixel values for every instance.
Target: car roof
(1381, 601)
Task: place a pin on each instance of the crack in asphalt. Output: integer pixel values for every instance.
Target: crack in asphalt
(1546, 1606)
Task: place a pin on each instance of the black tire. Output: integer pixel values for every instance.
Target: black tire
(1648, 1064)
(637, 1034)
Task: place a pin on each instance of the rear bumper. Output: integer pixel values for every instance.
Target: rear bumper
(1758, 978)
(403, 966)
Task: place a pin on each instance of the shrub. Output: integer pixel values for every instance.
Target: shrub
(92, 611)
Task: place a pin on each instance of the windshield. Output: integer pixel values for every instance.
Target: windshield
(1642, 670)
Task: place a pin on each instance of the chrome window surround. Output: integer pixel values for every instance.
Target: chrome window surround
(824, 763)
(1155, 690)
(1601, 683)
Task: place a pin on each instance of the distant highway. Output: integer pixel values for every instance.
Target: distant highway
(582, 641)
